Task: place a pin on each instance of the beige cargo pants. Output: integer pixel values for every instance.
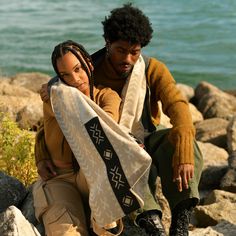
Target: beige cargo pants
(62, 204)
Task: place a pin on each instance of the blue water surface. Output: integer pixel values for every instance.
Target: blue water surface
(195, 39)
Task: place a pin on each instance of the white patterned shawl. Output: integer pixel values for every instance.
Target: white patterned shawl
(133, 96)
(115, 166)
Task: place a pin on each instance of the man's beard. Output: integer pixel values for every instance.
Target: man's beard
(124, 75)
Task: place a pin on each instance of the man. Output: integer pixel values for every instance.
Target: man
(142, 82)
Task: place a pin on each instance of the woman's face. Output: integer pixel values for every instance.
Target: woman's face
(72, 72)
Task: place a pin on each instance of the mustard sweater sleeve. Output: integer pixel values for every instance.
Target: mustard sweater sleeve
(163, 88)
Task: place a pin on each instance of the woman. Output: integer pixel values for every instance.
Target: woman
(61, 194)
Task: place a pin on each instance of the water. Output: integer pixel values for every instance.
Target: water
(196, 39)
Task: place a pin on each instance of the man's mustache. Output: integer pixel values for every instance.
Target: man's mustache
(125, 64)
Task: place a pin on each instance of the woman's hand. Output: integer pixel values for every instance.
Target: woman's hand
(46, 169)
(182, 174)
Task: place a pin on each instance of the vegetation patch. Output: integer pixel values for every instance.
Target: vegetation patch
(17, 151)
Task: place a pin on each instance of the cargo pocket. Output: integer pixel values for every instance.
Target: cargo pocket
(40, 200)
(58, 221)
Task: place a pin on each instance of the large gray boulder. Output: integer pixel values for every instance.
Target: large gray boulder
(12, 191)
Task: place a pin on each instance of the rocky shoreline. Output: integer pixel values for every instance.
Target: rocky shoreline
(214, 116)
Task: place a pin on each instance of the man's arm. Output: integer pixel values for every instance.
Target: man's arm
(175, 106)
(44, 94)
(45, 89)
(109, 101)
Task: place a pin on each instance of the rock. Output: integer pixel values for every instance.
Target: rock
(12, 191)
(7, 89)
(212, 131)
(30, 117)
(196, 114)
(187, 91)
(232, 160)
(23, 106)
(215, 165)
(230, 91)
(231, 135)
(219, 196)
(31, 81)
(211, 177)
(221, 229)
(213, 155)
(5, 78)
(220, 206)
(228, 182)
(13, 223)
(213, 102)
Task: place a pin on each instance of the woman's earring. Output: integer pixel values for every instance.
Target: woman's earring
(107, 50)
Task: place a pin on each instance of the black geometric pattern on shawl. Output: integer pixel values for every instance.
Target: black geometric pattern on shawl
(116, 176)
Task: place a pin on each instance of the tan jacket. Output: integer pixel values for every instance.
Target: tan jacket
(56, 144)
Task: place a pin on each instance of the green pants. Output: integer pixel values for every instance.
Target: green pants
(161, 151)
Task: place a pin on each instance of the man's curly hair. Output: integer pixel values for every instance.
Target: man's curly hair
(129, 24)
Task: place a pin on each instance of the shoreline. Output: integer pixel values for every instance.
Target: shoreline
(228, 89)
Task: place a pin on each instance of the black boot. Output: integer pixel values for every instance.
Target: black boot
(150, 221)
(181, 215)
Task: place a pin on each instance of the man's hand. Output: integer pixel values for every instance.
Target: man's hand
(182, 174)
(46, 169)
(44, 92)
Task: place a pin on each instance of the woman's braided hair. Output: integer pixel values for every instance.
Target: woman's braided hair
(83, 56)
